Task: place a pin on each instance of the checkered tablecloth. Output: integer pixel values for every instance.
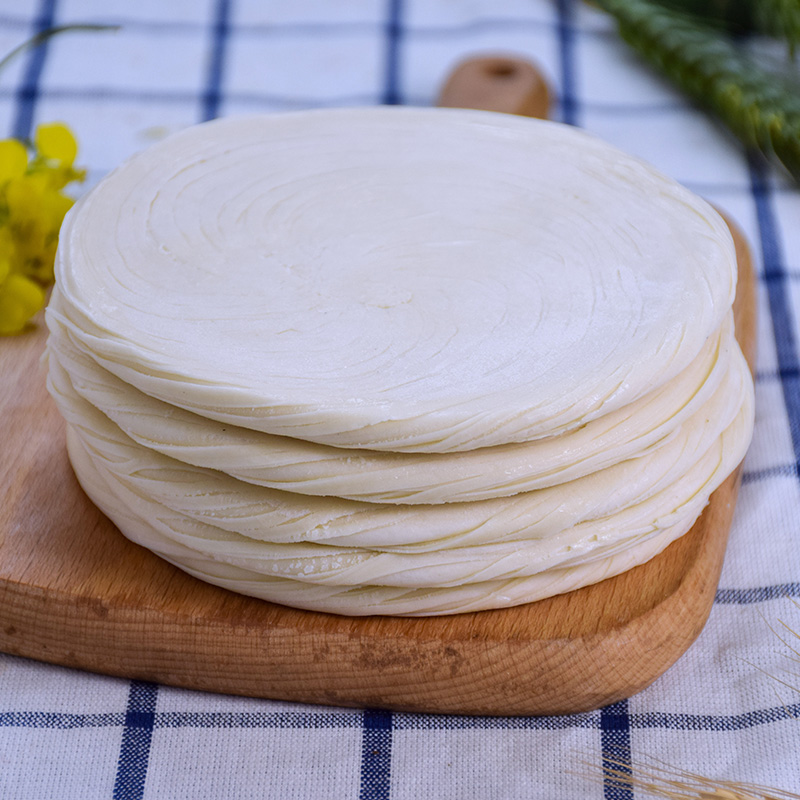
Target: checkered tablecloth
(67, 734)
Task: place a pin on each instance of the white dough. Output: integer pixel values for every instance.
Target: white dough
(397, 361)
(414, 280)
(365, 600)
(655, 484)
(407, 478)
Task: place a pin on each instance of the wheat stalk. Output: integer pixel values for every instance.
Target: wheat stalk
(659, 779)
(779, 18)
(759, 106)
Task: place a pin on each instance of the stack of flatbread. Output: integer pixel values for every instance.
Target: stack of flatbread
(397, 361)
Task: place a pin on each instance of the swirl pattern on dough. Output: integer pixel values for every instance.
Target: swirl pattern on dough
(415, 280)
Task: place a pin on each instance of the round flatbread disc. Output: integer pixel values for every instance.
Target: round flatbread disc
(412, 280)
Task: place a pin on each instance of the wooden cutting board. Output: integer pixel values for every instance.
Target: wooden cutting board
(74, 591)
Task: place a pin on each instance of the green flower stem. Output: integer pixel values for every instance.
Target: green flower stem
(43, 36)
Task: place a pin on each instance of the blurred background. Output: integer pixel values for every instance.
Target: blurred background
(172, 63)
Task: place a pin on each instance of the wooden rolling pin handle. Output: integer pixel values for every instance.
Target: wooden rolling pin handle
(497, 83)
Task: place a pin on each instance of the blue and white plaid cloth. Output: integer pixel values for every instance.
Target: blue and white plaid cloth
(66, 734)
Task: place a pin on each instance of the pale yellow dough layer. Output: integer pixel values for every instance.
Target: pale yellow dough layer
(407, 478)
(648, 487)
(364, 600)
(449, 580)
(397, 279)
(558, 528)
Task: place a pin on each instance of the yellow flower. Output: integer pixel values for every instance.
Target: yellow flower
(32, 208)
(56, 149)
(56, 142)
(13, 159)
(20, 299)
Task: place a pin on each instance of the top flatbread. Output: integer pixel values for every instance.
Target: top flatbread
(412, 280)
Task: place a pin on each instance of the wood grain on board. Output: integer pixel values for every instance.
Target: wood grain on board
(74, 591)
